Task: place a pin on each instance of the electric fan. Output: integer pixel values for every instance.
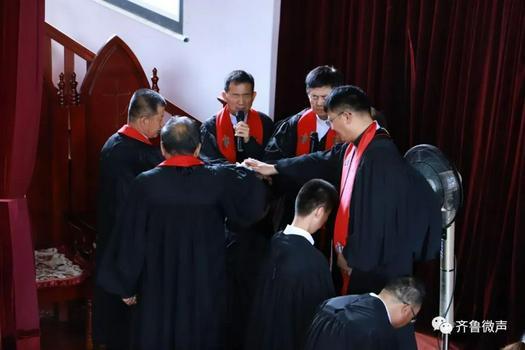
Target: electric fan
(444, 179)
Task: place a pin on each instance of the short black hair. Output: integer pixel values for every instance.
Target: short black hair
(379, 116)
(239, 77)
(408, 290)
(315, 193)
(348, 96)
(323, 76)
(180, 135)
(144, 102)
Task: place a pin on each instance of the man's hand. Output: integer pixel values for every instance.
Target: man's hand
(260, 167)
(343, 264)
(242, 130)
(130, 301)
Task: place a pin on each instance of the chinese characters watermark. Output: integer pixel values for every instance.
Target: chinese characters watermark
(472, 326)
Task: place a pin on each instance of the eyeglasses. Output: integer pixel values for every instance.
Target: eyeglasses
(414, 316)
(331, 121)
(316, 98)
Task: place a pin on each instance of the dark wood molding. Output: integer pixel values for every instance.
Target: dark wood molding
(61, 38)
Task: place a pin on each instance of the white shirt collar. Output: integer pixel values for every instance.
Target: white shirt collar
(322, 127)
(294, 230)
(388, 313)
(233, 118)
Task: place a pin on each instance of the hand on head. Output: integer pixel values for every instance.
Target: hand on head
(260, 167)
(130, 301)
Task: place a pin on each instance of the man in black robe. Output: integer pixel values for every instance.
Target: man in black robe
(125, 154)
(236, 124)
(168, 253)
(366, 321)
(295, 276)
(222, 134)
(305, 132)
(294, 135)
(388, 215)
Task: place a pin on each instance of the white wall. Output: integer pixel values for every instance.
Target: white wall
(223, 36)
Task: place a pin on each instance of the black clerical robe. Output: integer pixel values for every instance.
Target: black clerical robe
(122, 158)
(352, 322)
(294, 280)
(394, 215)
(252, 149)
(245, 246)
(283, 143)
(169, 250)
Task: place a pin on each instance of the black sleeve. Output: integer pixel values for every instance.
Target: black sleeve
(124, 257)
(324, 165)
(244, 195)
(283, 142)
(379, 213)
(210, 152)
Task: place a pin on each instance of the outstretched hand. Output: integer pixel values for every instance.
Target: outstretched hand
(130, 301)
(260, 167)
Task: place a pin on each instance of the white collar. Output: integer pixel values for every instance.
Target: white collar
(388, 313)
(234, 120)
(294, 230)
(319, 120)
(322, 127)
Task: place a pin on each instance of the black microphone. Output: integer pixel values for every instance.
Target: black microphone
(314, 142)
(240, 141)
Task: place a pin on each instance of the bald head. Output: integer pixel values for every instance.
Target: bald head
(180, 136)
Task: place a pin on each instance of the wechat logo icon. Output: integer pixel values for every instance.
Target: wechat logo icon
(441, 324)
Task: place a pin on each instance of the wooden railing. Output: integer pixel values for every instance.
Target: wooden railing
(71, 49)
(66, 83)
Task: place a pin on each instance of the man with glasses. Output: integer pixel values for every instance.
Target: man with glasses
(369, 321)
(305, 132)
(388, 215)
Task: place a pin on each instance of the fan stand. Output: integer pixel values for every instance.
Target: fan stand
(447, 279)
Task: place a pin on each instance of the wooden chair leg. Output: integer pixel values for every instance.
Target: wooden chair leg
(89, 325)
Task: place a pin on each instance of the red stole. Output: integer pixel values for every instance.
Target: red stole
(130, 131)
(305, 126)
(225, 134)
(350, 164)
(183, 161)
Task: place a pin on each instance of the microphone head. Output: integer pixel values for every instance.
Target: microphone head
(240, 116)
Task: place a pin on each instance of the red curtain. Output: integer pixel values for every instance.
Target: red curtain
(449, 73)
(22, 29)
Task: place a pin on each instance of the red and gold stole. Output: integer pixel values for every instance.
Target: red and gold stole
(225, 135)
(305, 126)
(350, 164)
(182, 161)
(130, 131)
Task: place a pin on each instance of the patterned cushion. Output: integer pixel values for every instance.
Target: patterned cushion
(54, 269)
